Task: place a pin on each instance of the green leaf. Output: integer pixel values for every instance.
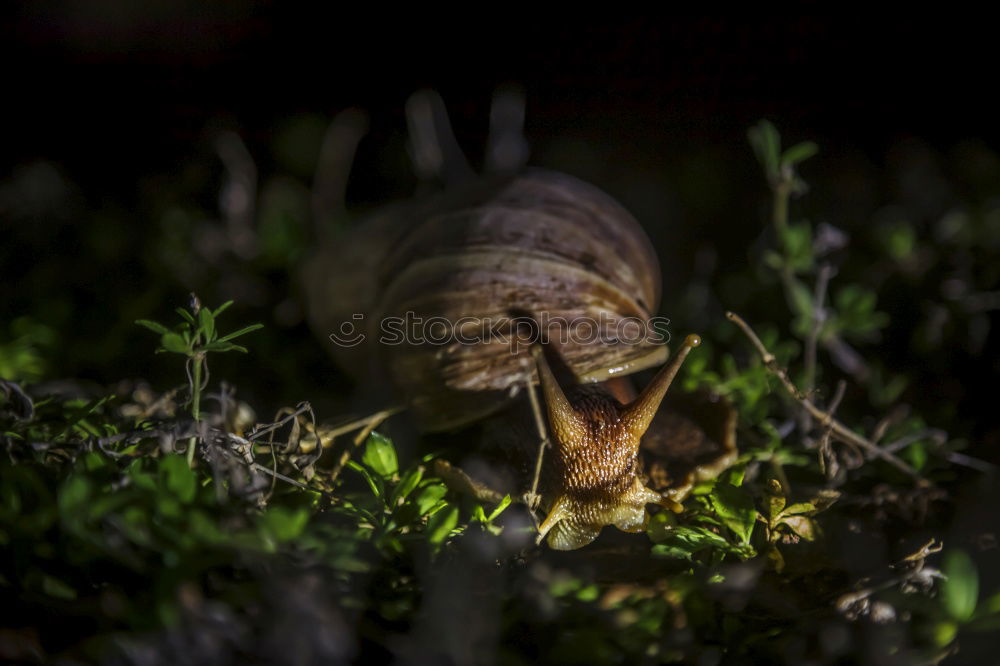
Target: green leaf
(168, 506)
(775, 501)
(74, 494)
(900, 241)
(206, 324)
(773, 260)
(374, 483)
(430, 497)
(589, 593)
(683, 542)
(801, 525)
(766, 143)
(174, 342)
(223, 347)
(855, 309)
(380, 455)
(500, 507)
(406, 485)
(178, 477)
(797, 242)
(184, 313)
(798, 508)
(284, 524)
(441, 524)
(154, 326)
(799, 153)
(960, 591)
(944, 632)
(734, 475)
(242, 331)
(824, 499)
(56, 588)
(222, 308)
(735, 508)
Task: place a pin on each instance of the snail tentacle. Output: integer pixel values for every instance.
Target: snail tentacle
(569, 427)
(640, 412)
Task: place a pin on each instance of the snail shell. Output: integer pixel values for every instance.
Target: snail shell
(470, 260)
(430, 296)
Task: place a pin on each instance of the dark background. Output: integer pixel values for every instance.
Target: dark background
(129, 88)
(120, 97)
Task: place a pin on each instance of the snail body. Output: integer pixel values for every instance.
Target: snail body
(478, 261)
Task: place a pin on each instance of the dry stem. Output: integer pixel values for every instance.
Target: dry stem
(837, 429)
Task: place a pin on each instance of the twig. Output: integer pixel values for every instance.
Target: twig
(819, 318)
(301, 408)
(914, 571)
(938, 437)
(180, 431)
(457, 479)
(543, 443)
(957, 458)
(896, 415)
(160, 402)
(274, 458)
(333, 433)
(837, 429)
(824, 449)
(276, 475)
(847, 358)
(838, 396)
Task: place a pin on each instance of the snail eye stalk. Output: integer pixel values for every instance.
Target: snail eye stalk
(640, 412)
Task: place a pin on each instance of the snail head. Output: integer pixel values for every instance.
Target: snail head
(593, 470)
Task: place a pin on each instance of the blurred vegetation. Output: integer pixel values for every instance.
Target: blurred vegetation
(162, 522)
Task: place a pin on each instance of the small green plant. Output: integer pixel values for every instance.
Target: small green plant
(799, 256)
(22, 351)
(405, 505)
(194, 338)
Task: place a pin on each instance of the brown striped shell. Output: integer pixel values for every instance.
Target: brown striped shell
(540, 242)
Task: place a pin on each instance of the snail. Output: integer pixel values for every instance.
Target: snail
(472, 265)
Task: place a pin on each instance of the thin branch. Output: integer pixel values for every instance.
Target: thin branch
(819, 318)
(824, 449)
(847, 358)
(957, 458)
(937, 437)
(896, 415)
(532, 497)
(914, 569)
(301, 408)
(838, 396)
(838, 430)
(333, 433)
(457, 479)
(277, 475)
